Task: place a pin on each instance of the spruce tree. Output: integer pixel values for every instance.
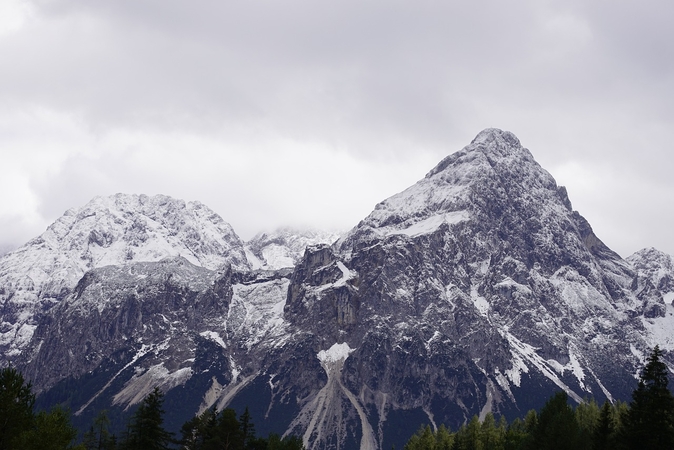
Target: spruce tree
(98, 437)
(146, 431)
(649, 424)
(557, 428)
(603, 436)
(16, 407)
(247, 428)
(50, 431)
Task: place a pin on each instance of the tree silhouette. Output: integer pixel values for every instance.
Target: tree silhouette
(146, 430)
(16, 407)
(650, 421)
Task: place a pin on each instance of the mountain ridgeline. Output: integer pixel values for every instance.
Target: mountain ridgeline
(478, 289)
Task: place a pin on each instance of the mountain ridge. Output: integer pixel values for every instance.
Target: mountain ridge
(477, 289)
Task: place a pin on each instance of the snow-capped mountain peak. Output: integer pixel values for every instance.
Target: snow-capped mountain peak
(466, 185)
(114, 230)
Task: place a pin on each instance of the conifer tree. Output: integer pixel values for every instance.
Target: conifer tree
(443, 438)
(603, 436)
(199, 430)
(247, 428)
(557, 428)
(16, 407)
(50, 431)
(515, 435)
(649, 423)
(587, 416)
(146, 430)
(99, 437)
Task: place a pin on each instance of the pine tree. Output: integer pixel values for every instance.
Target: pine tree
(146, 431)
(230, 430)
(50, 431)
(443, 438)
(492, 436)
(16, 407)
(602, 438)
(587, 416)
(198, 430)
(247, 428)
(515, 435)
(649, 424)
(98, 437)
(557, 428)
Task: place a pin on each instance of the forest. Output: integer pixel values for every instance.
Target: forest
(646, 423)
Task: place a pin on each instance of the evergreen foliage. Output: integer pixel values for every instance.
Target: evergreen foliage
(99, 437)
(16, 407)
(649, 423)
(603, 437)
(646, 423)
(21, 428)
(214, 430)
(50, 431)
(146, 431)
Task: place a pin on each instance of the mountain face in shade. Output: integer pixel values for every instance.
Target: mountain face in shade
(478, 289)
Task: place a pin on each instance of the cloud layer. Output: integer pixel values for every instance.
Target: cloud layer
(305, 112)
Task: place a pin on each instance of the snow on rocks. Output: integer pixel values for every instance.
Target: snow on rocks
(115, 230)
(338, 352)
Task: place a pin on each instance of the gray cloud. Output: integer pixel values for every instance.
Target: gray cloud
(359, 89)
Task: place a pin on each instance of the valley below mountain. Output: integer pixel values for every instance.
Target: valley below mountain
(478, 289)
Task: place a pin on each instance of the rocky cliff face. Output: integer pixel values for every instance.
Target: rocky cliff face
(477, 289)
(115, 230)
(284, 247)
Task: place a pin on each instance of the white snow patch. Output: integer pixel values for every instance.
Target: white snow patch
(277, 256)
(604, 390)
(435, 336)
(338, 352)
(481, 304)
(668, 297)
(253, 260)
(503, 382)
(213, 336)
(428, 225)
(659, 330)
(528, 352)
(346, 275)
(236, 370)
(572, 366)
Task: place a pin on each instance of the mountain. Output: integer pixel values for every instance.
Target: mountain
(284, 247)
(477, 289)
(116, 230)
(656, 270)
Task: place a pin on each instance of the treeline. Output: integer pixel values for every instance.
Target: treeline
(647, 423)
(21, 428)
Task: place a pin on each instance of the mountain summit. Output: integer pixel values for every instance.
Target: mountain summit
(478, 289)
(116, 230)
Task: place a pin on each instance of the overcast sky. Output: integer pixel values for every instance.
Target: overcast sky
(309, 112)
